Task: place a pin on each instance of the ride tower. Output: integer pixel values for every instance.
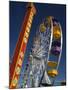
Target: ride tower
(20, 48)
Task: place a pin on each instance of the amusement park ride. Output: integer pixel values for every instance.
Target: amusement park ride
(45, 54)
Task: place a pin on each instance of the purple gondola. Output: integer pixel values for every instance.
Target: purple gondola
(56, 48)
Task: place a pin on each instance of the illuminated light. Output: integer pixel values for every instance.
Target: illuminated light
(26, 34)
(25, 39)
(20, 62)
(31, 14)
(14, 82)
(21, 54)
(28, 29)
(17, 70)
(30, 20)
(29, 24)
(31, 17)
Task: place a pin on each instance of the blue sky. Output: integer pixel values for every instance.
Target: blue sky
(17, 13)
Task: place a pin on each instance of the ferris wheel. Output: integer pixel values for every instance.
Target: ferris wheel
(45, 56)
(55, 51)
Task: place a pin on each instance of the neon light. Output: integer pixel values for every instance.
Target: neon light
(17, 70)
(14, 82)
(26, 35)
(29, 24)
(25, 39)
(30, 18)
(20, 62)
(28, 29)
(21, 54)
(31, 13)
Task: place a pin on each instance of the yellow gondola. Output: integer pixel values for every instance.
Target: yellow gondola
(42, 27)
(53, 73)
(52, 64)
(56, 32)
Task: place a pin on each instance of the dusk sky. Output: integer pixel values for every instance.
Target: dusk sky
(17, 13)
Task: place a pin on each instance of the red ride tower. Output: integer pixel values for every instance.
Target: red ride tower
(20, 49)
